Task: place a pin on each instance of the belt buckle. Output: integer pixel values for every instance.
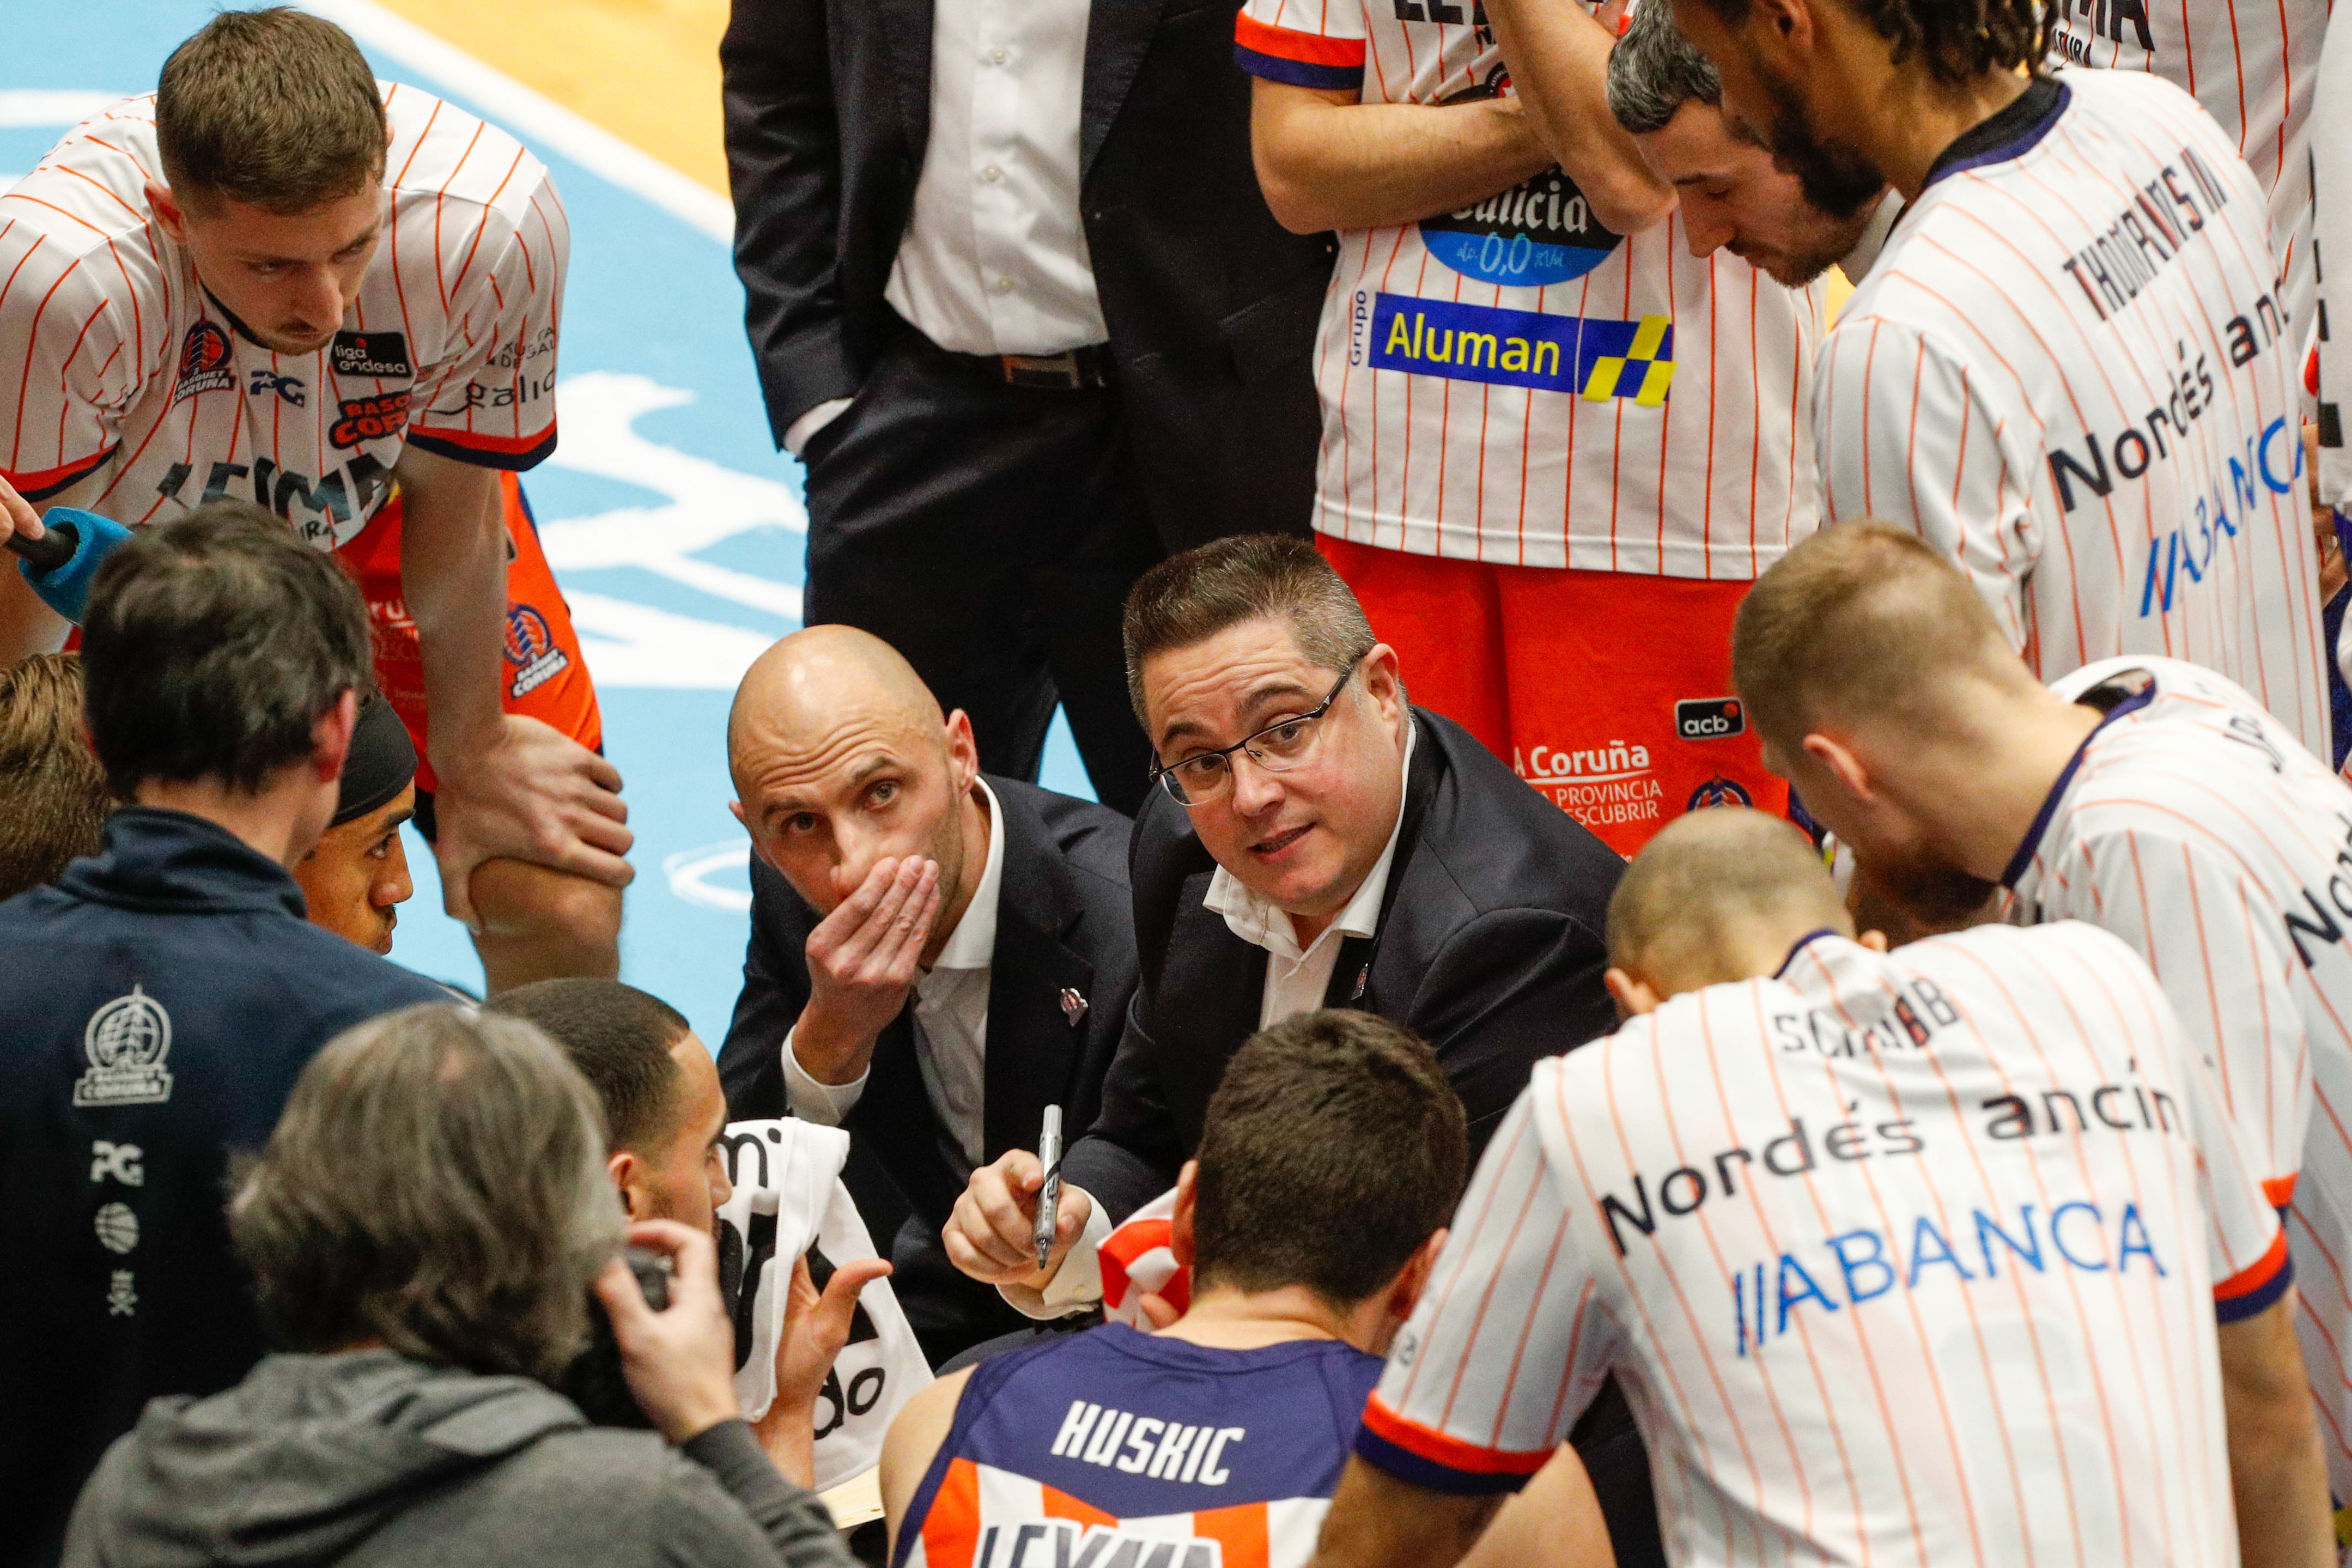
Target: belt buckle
(1058, 371)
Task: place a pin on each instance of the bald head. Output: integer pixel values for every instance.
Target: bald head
(824, 678)
(1720, 895)
(1863, 621)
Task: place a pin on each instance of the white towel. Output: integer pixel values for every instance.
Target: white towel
(788, 1199)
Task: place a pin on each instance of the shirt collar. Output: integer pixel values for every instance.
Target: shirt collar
(973, 943)
(2011, 133)
(1797, 946)
(1265, 924)
(2132, 703)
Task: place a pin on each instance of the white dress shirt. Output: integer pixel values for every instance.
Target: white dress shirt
(994, 260)
(1296, 980)
(951, 1021)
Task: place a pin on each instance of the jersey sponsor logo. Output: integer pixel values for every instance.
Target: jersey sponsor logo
(525, 389)
(1863, 1264)
(1604, 784)
(1718, 791)
(376, 355)
(1145, 1446)
(289, 388)
(1593, 357)
(1034, 1543)
(1540, 231)
(126, 1042)
(2324, 925)
(329, 512)
(370, 419)
(123, 1163)
(203, 363)
(1710, 718)
(531, 649)
(2148, 235)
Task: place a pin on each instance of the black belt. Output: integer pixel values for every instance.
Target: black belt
(1072, 369)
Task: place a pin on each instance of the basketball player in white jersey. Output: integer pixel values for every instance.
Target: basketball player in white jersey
(1556, 447)
(1909, 1258)
(2145, 795)
(2254, 67)
(279, 280)
(2331, 174)
(2069, 370)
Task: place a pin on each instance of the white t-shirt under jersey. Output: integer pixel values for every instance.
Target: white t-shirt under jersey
(2194, 827)
(127, 389)
(1514, 382)
(1908, 1259)
(2069, 370)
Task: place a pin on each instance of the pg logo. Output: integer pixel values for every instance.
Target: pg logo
(1710, 718)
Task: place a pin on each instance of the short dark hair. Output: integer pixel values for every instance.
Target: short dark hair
(1333, 1148)
(1654, 70)
(620, 1039)
(211, 646)
(436, 1182)
(276, 108)
(54, 806)
(1192, 597)
(1959, 39)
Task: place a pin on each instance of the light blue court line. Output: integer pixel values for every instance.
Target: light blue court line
(676, 528)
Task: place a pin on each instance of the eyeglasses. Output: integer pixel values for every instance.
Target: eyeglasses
(1278, 748)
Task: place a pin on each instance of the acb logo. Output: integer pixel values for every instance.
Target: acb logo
(527, 639)
(1710, 718)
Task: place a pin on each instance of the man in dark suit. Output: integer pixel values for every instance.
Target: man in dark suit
(1018, 303)
(936, 955)
(1317, 842)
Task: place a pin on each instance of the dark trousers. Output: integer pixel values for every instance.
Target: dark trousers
(989, 533)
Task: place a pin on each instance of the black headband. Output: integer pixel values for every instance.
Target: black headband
(382, 762)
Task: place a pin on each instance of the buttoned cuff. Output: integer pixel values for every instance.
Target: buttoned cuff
(826, 1104)
(1077, 1285)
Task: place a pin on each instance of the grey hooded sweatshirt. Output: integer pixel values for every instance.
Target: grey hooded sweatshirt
(372, 1460)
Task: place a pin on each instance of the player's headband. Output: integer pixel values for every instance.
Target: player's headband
(382, 762)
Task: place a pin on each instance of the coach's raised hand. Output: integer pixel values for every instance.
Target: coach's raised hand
(862, 959)
(991, 1235)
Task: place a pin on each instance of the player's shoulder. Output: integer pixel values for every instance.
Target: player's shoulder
(1987, 956)
(88, 192)
(443, 155)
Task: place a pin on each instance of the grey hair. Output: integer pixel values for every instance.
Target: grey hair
(437, 1181)
(1190, 598)
(1654, 70)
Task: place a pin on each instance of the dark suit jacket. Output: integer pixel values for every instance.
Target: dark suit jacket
(1212, 305)
(1062, 922)
(1489, 947)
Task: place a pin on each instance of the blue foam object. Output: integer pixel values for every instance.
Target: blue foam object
(66, 589)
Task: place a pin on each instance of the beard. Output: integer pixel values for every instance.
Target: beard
(1919, 896)
(1835, 180)
(1792, 268)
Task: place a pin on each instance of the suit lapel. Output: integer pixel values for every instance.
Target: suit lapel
(1033, 1040)
(907, 23)
(1118, 34)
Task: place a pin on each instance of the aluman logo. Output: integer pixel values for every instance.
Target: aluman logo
(1710, 718)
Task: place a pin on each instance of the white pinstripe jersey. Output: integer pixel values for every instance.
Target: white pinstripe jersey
(2254, 67)
(2196, 829)
(125, 388)
(1903, 1259)
(2068, 371)
(1515, 383)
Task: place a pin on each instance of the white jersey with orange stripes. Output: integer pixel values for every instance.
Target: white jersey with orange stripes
(1513, 382)
(2192, 826)
(127, 389)
(2254, 67)
(2068, 370)
(1904, 1258)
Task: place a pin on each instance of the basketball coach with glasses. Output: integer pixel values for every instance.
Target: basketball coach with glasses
(1017, 302)
(1312, 840)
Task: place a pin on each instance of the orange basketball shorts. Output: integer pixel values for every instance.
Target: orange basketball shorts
(1609, 692)
(543, 675)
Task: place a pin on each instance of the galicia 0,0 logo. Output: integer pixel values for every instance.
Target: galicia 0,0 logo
(1540, 231)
